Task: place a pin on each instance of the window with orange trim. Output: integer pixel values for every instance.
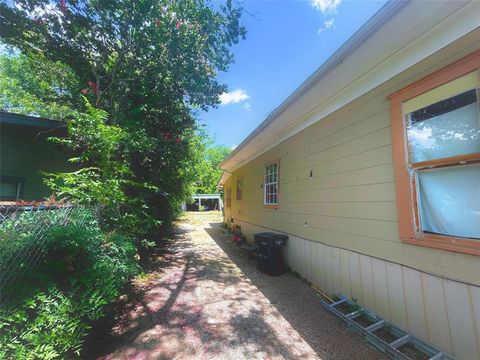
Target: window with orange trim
(436, 141)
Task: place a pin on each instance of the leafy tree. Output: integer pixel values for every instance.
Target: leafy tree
(208, 172)
(36, 86)
(100, 178)
(173, 48)
(147, 64)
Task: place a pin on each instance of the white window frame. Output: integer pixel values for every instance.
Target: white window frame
(239, 192)
(228, 197)
(266, 185)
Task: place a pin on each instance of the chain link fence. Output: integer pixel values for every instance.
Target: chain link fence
(23, 235)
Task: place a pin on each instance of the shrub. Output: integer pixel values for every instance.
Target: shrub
(47, 313)
(48, 325)
(23, 239)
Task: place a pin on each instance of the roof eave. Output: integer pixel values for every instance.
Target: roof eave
(27, 120)
(372, 25)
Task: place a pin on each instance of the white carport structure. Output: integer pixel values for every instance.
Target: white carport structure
(201, 197)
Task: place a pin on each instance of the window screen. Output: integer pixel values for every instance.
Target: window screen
(448, 192)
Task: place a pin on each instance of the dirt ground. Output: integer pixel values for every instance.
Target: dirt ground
(206, 300)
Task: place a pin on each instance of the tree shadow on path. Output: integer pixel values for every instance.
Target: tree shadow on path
(299, 305)
(197, 304)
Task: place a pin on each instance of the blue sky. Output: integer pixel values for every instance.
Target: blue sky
(286, 42)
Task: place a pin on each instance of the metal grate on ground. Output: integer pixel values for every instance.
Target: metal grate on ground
(393, 341)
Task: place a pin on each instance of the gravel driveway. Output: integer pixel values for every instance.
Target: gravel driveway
(206, 300)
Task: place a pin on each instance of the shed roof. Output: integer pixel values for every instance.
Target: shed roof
(27, 120)
(206, 196)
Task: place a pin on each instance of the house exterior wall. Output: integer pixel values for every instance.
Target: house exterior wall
(24, 156)
(342, 221)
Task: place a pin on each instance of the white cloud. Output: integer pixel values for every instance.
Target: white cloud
(325, 6)
(327, 25)
(421, 138)
(247, 106)
(234, 97)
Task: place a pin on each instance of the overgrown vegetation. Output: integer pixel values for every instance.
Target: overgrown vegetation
(126, 78)
(47, 312)
(147, 66)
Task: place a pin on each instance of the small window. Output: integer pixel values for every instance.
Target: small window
(228, 197)
(10, 188)
(436, 140)
(270, 187)
(240, 188)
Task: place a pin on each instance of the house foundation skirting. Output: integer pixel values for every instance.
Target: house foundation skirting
(442, 312)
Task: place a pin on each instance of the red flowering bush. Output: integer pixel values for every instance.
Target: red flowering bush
(63, 6)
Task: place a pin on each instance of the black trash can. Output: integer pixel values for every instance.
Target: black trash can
(270, 253)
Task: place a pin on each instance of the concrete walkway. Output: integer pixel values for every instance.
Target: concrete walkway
(208, 301)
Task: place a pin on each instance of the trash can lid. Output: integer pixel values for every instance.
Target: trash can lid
(271, 236)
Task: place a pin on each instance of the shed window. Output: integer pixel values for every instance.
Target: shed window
(10, 188)
(270, 188)
(437, 158)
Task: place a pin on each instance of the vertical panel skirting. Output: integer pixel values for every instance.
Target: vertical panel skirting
(442, 312)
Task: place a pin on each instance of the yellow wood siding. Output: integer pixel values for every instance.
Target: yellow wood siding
(337, 203)
(349, 202)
